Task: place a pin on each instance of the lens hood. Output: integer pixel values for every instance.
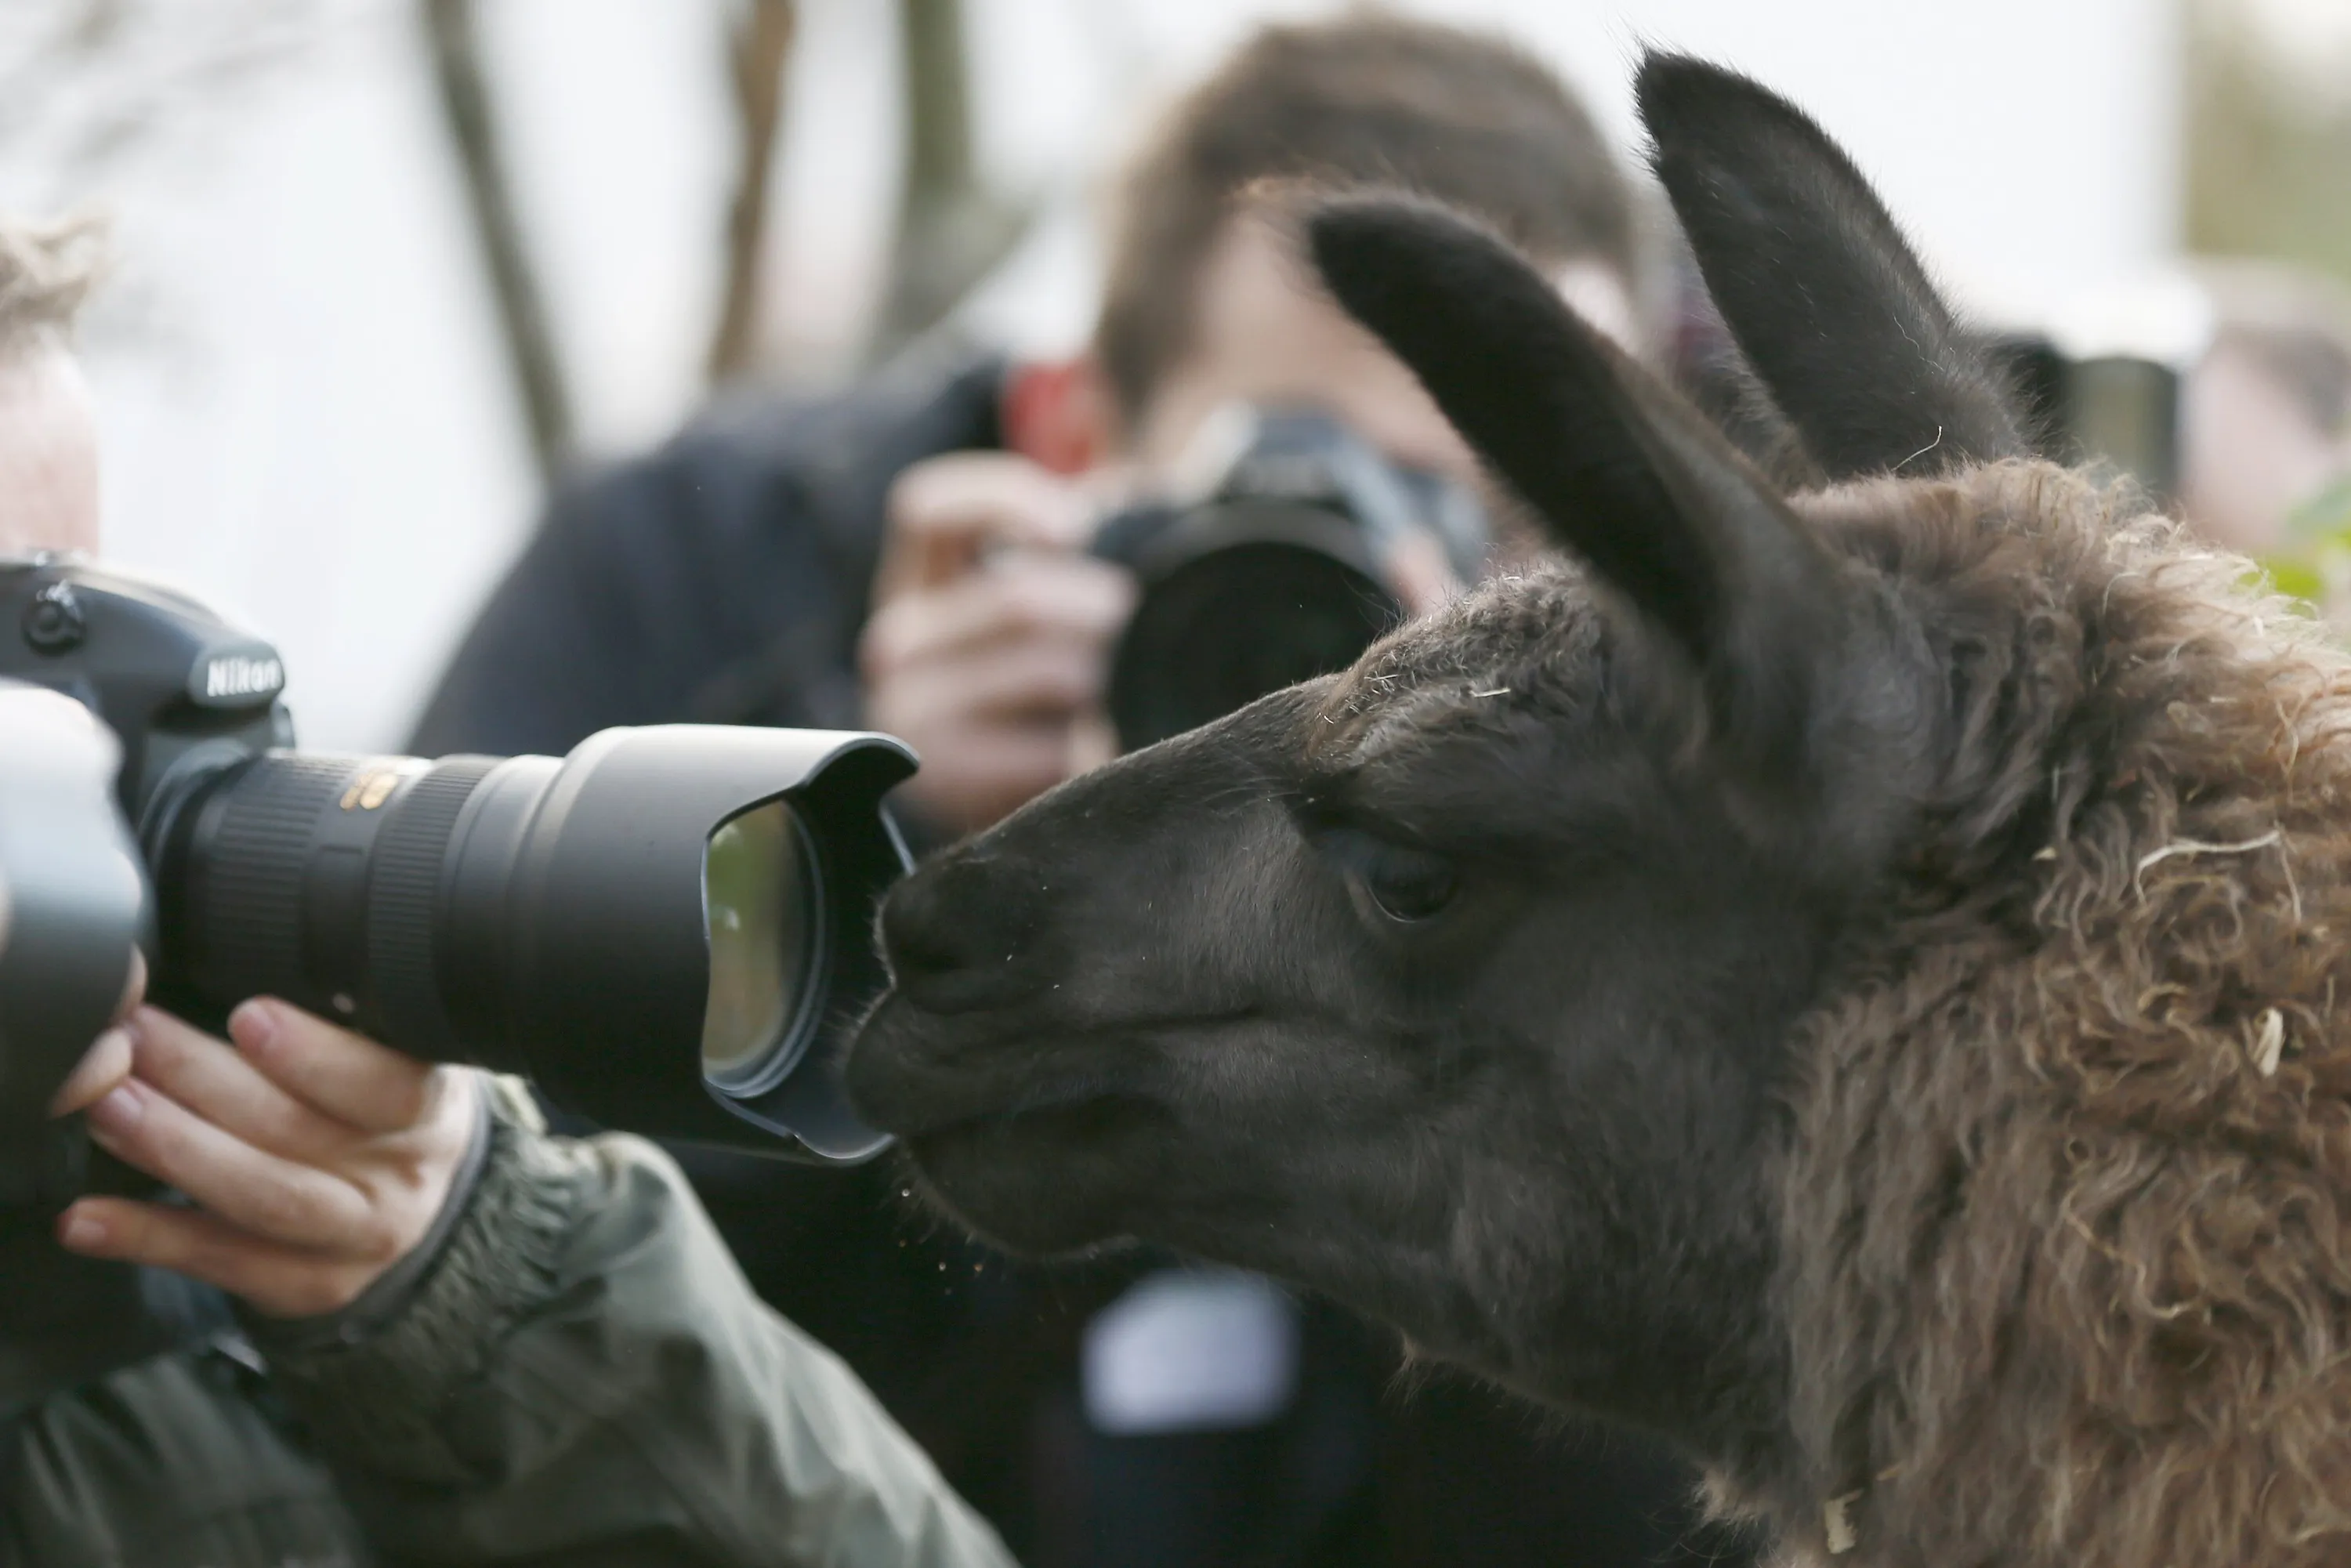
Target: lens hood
(577, 930)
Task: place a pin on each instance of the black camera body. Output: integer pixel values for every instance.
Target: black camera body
(2118, 408)
(2104, 376)
(185, 692)
(1276, 569)
(584, 921)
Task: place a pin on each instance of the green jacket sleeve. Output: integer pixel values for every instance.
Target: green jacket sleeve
(582, 1376)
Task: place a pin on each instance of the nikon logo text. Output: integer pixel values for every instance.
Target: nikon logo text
(239, 677)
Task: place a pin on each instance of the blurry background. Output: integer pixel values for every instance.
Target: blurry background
(388, 264)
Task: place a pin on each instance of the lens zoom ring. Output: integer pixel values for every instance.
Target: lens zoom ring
(403, 897)
(252, 896)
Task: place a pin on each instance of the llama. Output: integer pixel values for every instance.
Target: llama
(1844, 979)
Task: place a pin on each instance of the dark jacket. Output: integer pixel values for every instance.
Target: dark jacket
(576, 1374)
(722, 580)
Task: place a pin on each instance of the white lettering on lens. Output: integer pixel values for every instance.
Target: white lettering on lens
(242, 677)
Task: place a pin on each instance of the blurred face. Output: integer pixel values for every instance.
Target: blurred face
(48, 454)
(1265, 335)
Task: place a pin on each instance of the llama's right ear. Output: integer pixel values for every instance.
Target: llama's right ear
(1623, 471)
(1816, 283)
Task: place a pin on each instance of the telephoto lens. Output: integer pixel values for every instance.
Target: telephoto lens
(668, 930)
(647, 927)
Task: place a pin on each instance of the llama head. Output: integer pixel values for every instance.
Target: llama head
(1461, 985)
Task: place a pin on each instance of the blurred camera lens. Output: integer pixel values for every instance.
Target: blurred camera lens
(1226, 626)
(762, 896)
(1277, 572)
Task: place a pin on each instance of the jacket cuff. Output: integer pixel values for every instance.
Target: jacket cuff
(373, 1380)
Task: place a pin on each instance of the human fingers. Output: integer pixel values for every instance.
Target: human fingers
(1026, 597)
(108, 1061)
(1041, 683)
(103, 1066)
(1092, 742)
(134, 987)
(942, 513)
(218, 1083)
(1000, 496)
(1423, 577)
(348, 1076)
(273, 1197)
(281, 1280)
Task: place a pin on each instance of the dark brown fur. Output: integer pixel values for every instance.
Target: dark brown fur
(2062, 1262)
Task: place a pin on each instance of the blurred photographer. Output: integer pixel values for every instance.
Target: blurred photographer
(919, 555)
(911, 555)
(389, 1319)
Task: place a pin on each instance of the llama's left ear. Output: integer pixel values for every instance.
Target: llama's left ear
(1824, 295)
(1622, 471)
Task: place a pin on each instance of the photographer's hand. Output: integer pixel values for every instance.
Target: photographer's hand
(106, 1063)
(317, 1158)
(990, 643)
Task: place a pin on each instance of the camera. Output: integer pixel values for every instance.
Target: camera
(667, 930)
(1269, 566)
(2102, 377)
(2122, 409)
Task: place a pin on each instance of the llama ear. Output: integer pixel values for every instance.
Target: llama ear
(1824, 295)
(1621, 471)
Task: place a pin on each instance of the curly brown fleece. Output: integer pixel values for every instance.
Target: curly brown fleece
(2065, 1267)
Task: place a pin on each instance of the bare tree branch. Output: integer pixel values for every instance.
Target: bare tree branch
(758, 56)
(88, 85)
(951, 229)
(522, 315)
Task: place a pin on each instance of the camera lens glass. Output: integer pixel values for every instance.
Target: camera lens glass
(761, 899)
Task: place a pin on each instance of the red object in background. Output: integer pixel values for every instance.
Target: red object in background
(1052, 414)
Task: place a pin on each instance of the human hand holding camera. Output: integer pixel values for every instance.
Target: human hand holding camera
(990, 648)
(991, 632)
(316, 1159)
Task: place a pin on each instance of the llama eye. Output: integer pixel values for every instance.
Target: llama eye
(1405, 885)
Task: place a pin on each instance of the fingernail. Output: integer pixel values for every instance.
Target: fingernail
(81, 1233)
(254, 1025)
(119, 1111)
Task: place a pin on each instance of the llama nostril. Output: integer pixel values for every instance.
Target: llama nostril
(957, 935)
(920, 934)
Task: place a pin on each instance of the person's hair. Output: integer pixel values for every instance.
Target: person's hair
(47, 270)
(2294, 326)
(1465, 118)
